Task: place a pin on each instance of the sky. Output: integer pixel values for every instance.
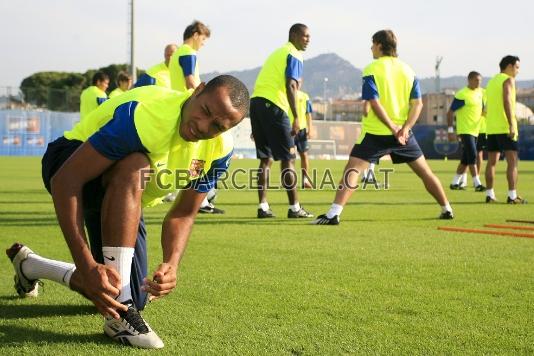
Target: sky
(75, 35)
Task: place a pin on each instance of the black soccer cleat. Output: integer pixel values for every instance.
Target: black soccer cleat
(208, 209)
(265, 214)
(480, 188)
(324, 220)
(517, 200)
(456, 187)
(448, 215)
(298, 214)
(490, 200)
(131, 329)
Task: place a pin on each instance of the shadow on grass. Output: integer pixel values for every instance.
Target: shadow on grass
(30, 221)
(25, 202)
(16, 335)
(29, 311)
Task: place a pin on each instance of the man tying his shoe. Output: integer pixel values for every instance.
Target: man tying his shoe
(122, 157)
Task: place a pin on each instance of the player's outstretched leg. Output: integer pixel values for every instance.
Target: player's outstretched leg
(347, 185)
(432, 185)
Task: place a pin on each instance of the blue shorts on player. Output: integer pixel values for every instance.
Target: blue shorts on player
(501, 142)
(469, 149)
(373, 147)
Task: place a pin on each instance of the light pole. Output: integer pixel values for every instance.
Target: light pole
(324, 98)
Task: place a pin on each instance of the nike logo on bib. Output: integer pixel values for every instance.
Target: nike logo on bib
(110, 258)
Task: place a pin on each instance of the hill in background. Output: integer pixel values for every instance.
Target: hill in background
(344, 78)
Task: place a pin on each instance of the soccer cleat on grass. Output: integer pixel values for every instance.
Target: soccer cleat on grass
(490, 200)
(131, 329)
(209, 209)
(298, 214)
(480, 188)
(517, 200)
(25, 287)
(265, 214)
(324, 220)
(456, 187)
(448, 215)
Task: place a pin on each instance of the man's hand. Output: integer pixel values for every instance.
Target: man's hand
(308, 133)
(451, 137)
(102, 285)
(296, 127)
(163, 281)
(512, 133)
(402, 135)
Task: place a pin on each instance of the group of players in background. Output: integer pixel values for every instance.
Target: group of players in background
(173, 121)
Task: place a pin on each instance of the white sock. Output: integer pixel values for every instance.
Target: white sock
(264, 206)
(295, 207)
(371, 167)
(512, 194)
(476, 181)
(37, 267)
(456, 179)
(205, 203)
(120, 258)
(490, 193)
(211, 194)
(335, 209)
(464, 179)
(446, 207)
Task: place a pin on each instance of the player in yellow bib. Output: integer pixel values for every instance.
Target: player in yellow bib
(501, 128)
(467, 106)
(275, 120)
(125, 156)
(94, 95)
(158, 74)
(124, 82)
(394, 95)
(183, 66)
(304, 108)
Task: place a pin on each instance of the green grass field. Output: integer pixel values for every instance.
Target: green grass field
(384, 281)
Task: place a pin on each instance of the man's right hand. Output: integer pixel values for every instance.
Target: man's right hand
(296, 127)
(451, 137)
(102, 285)
(511, 135)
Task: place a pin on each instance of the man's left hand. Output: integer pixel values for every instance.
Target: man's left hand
(162, 283)
(402, 135)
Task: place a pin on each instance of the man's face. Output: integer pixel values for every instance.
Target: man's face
(199, 41)
(102, 84)
(125, 84)
(376, 49)
(474, 82)
(301, 39)
(513, 69)
(208, 114)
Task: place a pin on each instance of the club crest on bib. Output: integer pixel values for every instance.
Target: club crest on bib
(196, 167)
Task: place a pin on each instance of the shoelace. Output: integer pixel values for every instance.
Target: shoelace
(133, 318)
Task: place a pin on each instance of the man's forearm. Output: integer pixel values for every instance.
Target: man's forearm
(381, 113)
(190, 82)
(413, 115)
(291, 90)
(508, 109)
(174, 237)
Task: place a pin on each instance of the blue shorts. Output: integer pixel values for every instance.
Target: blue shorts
(373, 147)
(469, 149)
(482, 142)
(501, 142)
(271, 130)
(301, 141)
(56, 154)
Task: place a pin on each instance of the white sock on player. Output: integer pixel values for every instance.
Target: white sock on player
(456, 179)
(205, 203)
(335, 209)
(512, 194)
(264, 206)
(37, 267)
(120, 258)
(295, 207)
(446, 207)
(476, 181)
(490, 193)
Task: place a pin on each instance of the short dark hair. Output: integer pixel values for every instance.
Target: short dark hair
(473, 74)
(296, 29)
(507, 60)
(237, 91)
(123, 77)
(99, 76)
(196, 27)
(388, 40)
